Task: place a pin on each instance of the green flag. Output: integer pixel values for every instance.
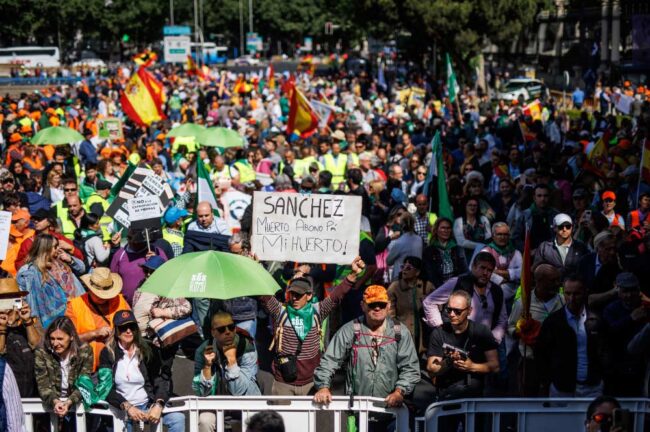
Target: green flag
(204, 189)
(444, 208)
(117, 187)
(452, 84)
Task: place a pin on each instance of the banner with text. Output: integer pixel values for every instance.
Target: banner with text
(306, 228)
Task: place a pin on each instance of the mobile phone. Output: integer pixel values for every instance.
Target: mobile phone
(11, 303)
(622, 418)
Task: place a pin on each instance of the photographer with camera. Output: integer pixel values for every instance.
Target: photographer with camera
(461, 352)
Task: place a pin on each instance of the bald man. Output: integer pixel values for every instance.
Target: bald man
(545, 299)
(206, 222)
(424, 219)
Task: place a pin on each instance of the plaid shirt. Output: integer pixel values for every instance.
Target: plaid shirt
(422, 226)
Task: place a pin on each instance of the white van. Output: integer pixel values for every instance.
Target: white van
(31, 56)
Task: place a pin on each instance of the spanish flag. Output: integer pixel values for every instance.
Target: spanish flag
(534, 110)
(302, 118)
(145, 58)
(270, 77)
(241, 86)
(142, 98)
(192, 69)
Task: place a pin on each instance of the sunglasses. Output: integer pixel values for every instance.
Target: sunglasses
(421, 173)
(565, 226)
(222, 329)
(608, 200)
(126, 327)
(450, 310)
(377, 305)
(70, 190)
(7, 181)
(601, 418)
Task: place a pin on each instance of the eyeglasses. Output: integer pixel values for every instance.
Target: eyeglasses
(222, 329)
(565, 226)
(608, 200)
(7, 181)
(456, 311)
(70, 190)
(377, 305)
(422, 172)
(484, 302)
(600, 418)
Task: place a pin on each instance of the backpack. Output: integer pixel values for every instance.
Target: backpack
(466, 283)
(356, 324)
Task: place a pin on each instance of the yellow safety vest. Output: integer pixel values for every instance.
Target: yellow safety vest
(67, 227)
(354, 159)
(246, 172)
(172, 237)
(300, 169)
(336, 167)
(105, 222)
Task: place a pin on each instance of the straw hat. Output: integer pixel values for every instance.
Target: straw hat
(9, 289)
(103, 283)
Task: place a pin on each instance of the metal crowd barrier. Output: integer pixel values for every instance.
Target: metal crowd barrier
(46, 81)
(521, 415)
(299, 413)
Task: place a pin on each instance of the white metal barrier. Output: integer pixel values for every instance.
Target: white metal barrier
(299, 413)
(522, 414)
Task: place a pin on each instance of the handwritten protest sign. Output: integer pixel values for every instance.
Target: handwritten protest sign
(142, 183)
(5, 226)
(305, 228)
(146, 207)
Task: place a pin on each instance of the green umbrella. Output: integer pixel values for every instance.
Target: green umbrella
(210, 274)
(187, 130)
(57, 135)
(221, 137)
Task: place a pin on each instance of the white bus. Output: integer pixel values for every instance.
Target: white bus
(31, 56)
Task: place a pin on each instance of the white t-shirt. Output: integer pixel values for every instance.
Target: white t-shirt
(129, 381)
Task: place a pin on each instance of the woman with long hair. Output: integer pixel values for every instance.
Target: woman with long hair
(89, 239)
(105, 171)
(58, 364)
(406, 296)
(53, 189)
(141, 380)
(472, 229)
(49, 277)
(443, 258)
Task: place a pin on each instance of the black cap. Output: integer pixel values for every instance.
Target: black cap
(123, 317)
(40, 214)
(301, 285)
(103, 185)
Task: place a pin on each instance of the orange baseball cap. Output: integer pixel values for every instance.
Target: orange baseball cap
(608, 195)
(374, 294)
(22, 113)
(15, 137)
(25, 128)
(20, 214)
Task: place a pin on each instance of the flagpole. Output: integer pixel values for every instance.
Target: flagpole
(638, 185)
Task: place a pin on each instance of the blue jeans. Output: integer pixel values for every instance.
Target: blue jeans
(249, 325)
(175, 422)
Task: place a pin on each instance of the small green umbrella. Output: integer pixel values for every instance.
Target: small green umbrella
(221, 137)
(210, 274)
(187, 130)
(56, 135)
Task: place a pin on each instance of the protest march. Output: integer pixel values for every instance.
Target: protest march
(169, 231)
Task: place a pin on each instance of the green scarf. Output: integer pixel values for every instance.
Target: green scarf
(450, 244)
(303, 318)
(502, 251)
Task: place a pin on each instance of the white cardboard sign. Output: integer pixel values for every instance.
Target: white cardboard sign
(314, 228)
(146, 207)
(5, 225)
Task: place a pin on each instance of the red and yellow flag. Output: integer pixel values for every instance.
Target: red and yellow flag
(302, 119)
(534, 110)
(241, 86)
(270, 77)
(142, 98)
(192, 69)
(145, 58)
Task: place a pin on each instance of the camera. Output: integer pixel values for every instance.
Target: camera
(450, 351)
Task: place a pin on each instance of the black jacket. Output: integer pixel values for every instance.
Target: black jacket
(195, 241)
(548, 253)
(156, 373)
(432, 264)
(556, 351)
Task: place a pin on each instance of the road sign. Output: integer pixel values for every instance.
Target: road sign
(253, 42)
(176, 48)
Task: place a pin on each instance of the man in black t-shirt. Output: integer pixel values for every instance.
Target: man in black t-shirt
(461, 352)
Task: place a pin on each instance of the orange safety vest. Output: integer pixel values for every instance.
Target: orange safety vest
(635, 220)
(86, 319)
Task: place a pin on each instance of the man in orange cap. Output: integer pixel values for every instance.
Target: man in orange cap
(609, 203)
(18, 232)
(381, 357)
(15, 150)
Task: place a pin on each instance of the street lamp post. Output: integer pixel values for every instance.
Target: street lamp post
(250, 16)
(241, 28)
(171, 12)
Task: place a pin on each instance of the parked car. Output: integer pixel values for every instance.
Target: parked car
(530, 89)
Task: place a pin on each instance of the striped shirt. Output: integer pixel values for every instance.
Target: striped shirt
(13, 405)
(309, 356)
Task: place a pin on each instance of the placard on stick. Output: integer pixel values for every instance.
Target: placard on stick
(306, 228)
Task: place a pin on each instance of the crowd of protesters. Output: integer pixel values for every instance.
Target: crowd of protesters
(428, 296)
